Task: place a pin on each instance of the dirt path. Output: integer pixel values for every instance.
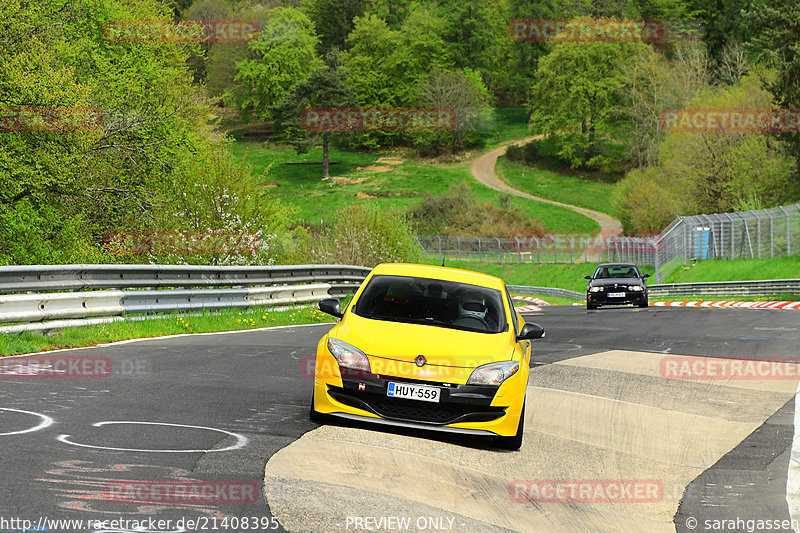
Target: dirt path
(483, 170)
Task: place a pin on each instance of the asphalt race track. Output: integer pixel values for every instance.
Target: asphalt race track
(231, 410)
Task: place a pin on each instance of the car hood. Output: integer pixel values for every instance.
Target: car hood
(615, 281)
(439, 345)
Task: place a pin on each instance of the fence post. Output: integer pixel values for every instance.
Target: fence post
(788, 231)
(555, 249)
(499, 253)
(571, 259)
(758, 232)
(655, 261)
(537, 251)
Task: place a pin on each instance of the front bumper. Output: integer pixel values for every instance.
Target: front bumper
(461, 408)
(458, 403)
(602, 298)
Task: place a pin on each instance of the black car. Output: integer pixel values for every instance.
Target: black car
(616, 284)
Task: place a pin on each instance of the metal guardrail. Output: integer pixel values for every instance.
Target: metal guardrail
(770, 287)
(154, 289)
(80, 277)
(545, 291)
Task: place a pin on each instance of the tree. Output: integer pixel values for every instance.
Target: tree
(776, 34)
(654, 84)
(145, 138)
(464, 93)
(333, 20)
(325, 88)
(477, 37)
(205, 10)
(710, 171)
(384, 66)
(283, 55)
(578, 97)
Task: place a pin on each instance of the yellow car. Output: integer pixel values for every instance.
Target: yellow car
(427, 347)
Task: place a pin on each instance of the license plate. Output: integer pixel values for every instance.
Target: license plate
(413, 392)
(616, 295)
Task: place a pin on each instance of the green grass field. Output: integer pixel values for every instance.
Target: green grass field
(738, 270)
(506, 124)
(391, 179)
(579, 188)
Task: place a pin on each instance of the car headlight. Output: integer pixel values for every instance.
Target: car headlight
(493, 373)
(595, 289)
(636, 288)
(348, 356)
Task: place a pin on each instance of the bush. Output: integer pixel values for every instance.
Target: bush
(363, 234)
(643, 201)
(456, 212)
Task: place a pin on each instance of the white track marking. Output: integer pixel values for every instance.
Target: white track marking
(46, 421)
(240, 440)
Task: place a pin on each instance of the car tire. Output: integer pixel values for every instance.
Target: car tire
(591, 307)
(313, 414)
(514, 443)
(644, 303)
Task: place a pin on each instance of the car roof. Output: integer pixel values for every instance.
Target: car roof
(616, 264)
(438, 272)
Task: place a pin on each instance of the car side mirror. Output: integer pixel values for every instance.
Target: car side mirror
(331, 306)
(645, 276)
(587, 277)
(530, 331)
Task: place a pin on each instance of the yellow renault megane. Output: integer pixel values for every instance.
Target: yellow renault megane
(427, 347)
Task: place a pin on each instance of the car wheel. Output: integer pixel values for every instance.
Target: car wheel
(591, 307)
(514, 443)
(313, 414)
(644, 303)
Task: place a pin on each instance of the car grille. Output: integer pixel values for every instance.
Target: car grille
(415, 411)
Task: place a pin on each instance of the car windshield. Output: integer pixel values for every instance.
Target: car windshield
(432, 302)
(616, 271)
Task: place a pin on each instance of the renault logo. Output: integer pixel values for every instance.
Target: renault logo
(420, 360)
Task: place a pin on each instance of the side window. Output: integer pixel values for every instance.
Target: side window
(514, 316)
